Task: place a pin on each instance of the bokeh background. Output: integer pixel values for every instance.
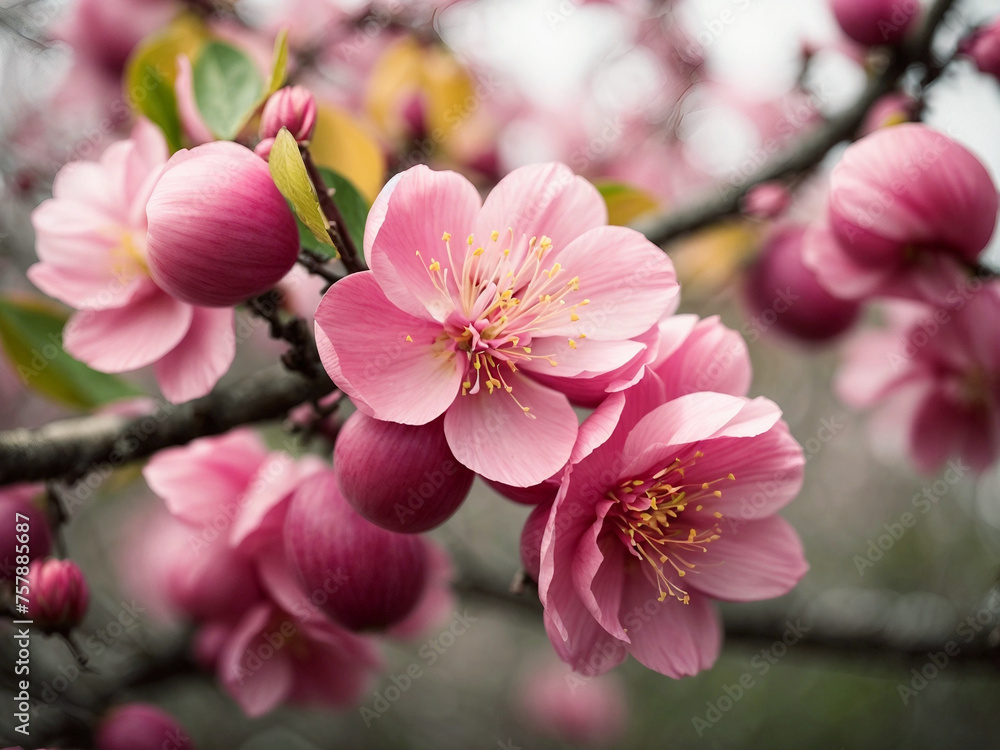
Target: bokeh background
(571, 66)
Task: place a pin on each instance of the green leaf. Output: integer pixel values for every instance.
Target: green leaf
(626, 203)
(227, 88)
(279, 68)
(289, 174)
(353, 207)
(31, 335)
(154, 96)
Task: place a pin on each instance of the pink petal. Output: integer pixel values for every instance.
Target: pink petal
(756, 560)
(204, 481)
(542, 200)
(674, 639)
(599, 571)
(262, 513)
(622, 304)
(130, 337)
(331, 363)
(424, 205)
(590, 357)
(687, 419)
(493, 436)
(193, 367)
(711, 358)
(376, 216)
(411, 382)
(88, 288)
(258, 685)
(194, 126)
(836, 270)
(338, 670)
(586, 646)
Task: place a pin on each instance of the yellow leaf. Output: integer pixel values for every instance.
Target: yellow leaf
(626, 203)
(711, 258)
(279, 68)
(340, 143)
(289, 174)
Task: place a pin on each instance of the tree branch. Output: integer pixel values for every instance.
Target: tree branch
(811, 148)
(70, 448)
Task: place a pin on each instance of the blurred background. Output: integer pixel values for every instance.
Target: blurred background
(660, 103)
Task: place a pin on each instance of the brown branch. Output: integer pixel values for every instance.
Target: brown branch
(811, 148)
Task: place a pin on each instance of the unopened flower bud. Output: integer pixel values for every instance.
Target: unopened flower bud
(378, 577)
(219, 230)
(767, 201)
(140, 726)
(23, 527)
(983, 47)
(57, 594)
(873, 22)
(403, 478)
(784, 293)
(292, 107)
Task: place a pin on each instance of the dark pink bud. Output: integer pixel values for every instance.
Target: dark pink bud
(767, 201)
(57, 594)
(403, 478)
(983, 47)
(873, 22)
(379, 576)
(292, 107)
(783, 293)
(219, 230)
(13, 528)
(140, 726)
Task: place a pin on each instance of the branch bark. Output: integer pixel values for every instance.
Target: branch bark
(805, 154)
(71, 448)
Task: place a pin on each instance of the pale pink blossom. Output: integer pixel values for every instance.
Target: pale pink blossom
(909, 209)
(933, 377)
(660, 512)
(91, 244)
(566, 707)
(467, 303)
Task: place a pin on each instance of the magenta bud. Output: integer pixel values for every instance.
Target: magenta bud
(767, 201)
(377, 577)
(219, 230)
(22, 525)
(403, 478)
(781, 291)
(874, 22)
(140, 726)
(292, 107)
(57, 594)
(983, 48)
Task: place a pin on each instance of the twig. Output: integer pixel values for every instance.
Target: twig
(338, 228)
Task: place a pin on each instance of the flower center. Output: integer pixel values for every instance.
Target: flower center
(655, 519)
(128, 257)
(500, 297)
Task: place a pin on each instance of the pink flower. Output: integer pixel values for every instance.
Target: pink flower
(660, 512)
(467, 303)
(571, 709)
(91, 243)
(272, 658)
(783, 293)
(767, 201)
(140, 726)
(688, 355)
(908, 209)
(58, 594)
(219, 230)
(892, 109)
(871, 22)
(934, 378)
(983, 47)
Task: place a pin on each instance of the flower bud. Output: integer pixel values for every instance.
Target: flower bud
(872, 22)
(767, 201)
(57, 594)
(292, 107)
(219, 230)
(983, 47)
(894, 108)
(379, 576)
(212, 583)
(403, 478)
(19, 516)
(782, 292)
(140, 726)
